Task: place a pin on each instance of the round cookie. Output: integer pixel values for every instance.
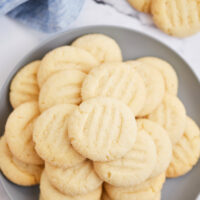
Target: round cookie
(62, 87)
(76, 180)
(24, 85)
(117, 80)
(141, 5)
(48, 192)
(154, 86)
(149, 189)
(167, 71)
(19, 131)
(177, 18)
(133, 168)
(102, 47)
(51, 137)
(171, 115)
(162, 142)
(56, 59)
(186, 151)
(15, 170)
(102, 129)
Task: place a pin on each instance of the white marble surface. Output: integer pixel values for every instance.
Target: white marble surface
(17, 40)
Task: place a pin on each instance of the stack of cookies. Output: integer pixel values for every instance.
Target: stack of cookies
(174, 17)
(84, 119)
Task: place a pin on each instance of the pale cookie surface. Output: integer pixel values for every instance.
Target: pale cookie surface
(19, 131)
(167, 71)
(24, 85)
(141, 5)
(61, 87)
(175, 17)
(76, 180)
(102, 47)
(186, 151)
(56, 59)
(117, 80)
(51, 137)
(171, 115)
(48, 192)
(162, 142)
(154, 84)
(133, 168)
(102, 129)
(148, 190)
(15, 170)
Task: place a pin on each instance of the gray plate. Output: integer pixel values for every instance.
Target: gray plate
(133, 45)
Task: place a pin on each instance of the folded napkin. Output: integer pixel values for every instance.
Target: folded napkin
(45, 15)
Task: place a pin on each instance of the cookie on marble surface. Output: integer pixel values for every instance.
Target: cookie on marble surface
(116, 80)
(186, 151)
(102, 129)
(50, 135)
(62, 87)
(177, 18)
(19, 131)
(49, 192)
(154, 84)
(167, 71)
(102, 47)
(171, 115)
(16, 171)
(56, 60)
(162, 142)
(76, 180)
(24, 85)
(148, 190)
(141, 5)
(133, 168)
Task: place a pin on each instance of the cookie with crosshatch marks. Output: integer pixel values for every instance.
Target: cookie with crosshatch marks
(134, 167)
(56, 60)
(102, 47)
(102, 129)
(50, 135)
(175, 17)
(76, 180)
(16, 171)
(186, 151)
(24, 86)
(49, 192)
(62, 87)
(19, 132)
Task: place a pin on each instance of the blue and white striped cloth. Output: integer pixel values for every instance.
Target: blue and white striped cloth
(45, 15)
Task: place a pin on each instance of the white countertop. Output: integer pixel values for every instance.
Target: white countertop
(17, 40)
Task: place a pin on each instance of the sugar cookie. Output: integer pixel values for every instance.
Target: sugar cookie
(51, 137)
(117, 80)
(19, 130)
(56, 59)
(171, 115)
(61, 87)
(102, 129)
(186, 151)
(162, 142)
(141, 5)
(102, 47)
(15, 170)
(76, 180)
(177, 18)
(154, 86)
(148, 190)
(167, 71)
(48, 192)
(133, 168)
(24, 85)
